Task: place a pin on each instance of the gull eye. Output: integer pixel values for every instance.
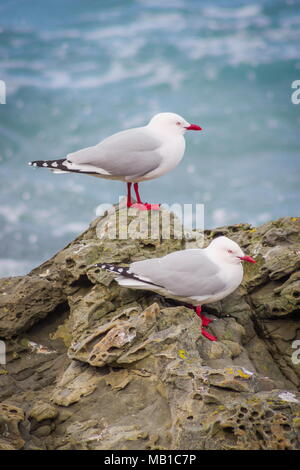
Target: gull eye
(178, 123)
(230, 251)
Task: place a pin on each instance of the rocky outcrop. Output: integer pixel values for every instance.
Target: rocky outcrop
(91, 365)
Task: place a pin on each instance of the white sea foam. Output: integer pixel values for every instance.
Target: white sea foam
(24, 64)
(155, 56)
(60, 79)
(158, 3)
(124, 49)
(234, 49)
(143, 24)
(164, 73)
(242, 12)
(122, 41)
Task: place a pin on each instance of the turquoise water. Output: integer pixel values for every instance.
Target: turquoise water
(77, 71)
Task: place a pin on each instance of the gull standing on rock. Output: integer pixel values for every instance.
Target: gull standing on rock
(132, 156)
(195, 276)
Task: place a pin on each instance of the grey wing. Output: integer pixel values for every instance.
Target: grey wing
(184, 273)
(127, 153)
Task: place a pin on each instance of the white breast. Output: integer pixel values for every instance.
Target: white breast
(172, 151)
(232, 275)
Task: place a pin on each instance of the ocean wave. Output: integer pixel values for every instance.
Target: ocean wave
(81, 76)
(197, 41)
(165, 73)
(225, 13)
(143, 24)
(60, 34)
(158, 3)
(243, 48)
(154, 72)
(22, 64)
(118, 48)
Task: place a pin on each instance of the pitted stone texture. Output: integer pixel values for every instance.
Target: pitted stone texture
(128, 369)
(10, 418)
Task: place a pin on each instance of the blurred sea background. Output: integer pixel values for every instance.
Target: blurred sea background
(77, 71)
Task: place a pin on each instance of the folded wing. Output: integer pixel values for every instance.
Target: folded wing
(127, 153)
(184, 273)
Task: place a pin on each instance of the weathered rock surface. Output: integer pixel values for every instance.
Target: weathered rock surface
(91, 365)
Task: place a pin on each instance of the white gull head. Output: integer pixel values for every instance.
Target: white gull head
(222, 249)
(171, 123)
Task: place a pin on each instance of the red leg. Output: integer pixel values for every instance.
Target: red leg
(197, 310)
(129, 203)
(208, 335)
(140, 205)
(205, 322)
(136, 189)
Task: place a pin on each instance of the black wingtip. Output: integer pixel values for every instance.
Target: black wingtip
(100, 265)
(122, 271)
(112, 268)
(108, 267)
(50, 164)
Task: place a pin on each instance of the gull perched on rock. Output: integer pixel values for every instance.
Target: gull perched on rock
(133, 155)
(194, 276)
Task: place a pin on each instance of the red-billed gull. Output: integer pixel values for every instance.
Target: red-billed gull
(194, 276)
(133, 155)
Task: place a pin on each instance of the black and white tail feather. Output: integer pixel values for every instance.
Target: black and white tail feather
(127, 278)
(57, 166)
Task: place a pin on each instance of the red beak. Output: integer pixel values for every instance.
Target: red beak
(247, 258)
(194, 127)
